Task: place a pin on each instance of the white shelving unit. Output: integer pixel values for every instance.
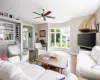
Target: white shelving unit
(21, 23)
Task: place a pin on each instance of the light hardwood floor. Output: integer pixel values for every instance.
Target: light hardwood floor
(72, 62)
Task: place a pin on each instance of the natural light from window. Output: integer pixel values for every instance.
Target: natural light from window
(60, 37)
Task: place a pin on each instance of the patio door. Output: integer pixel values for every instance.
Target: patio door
(60, 37)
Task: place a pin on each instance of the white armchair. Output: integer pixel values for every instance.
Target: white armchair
(15, 51)
(41, 50)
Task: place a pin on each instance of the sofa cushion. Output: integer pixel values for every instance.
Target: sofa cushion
(9, 71)
(95, 53)
(14, 59)
(51, 75)
(97, 66)
(85, 60)
(21, 76)
(22, 64)
(33, 71)
(84, 64)
(3, 63)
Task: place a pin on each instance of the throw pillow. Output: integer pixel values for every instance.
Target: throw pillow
(97, 66)
(95, 53)
(4, 63)
(8, 71)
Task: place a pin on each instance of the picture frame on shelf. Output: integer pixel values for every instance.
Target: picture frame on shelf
(42, 33)
(4, 14)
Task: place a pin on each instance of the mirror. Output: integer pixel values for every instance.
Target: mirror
(6, 31)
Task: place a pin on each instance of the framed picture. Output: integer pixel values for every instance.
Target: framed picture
(42, 33)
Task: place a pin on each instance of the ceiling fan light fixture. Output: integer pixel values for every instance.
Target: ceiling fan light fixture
(44, 15)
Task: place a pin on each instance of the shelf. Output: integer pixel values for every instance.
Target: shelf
(8, 34)
(9, 19)
(7, 29)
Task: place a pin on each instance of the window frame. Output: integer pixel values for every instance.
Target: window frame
(55, 46)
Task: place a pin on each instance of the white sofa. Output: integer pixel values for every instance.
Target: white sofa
(86, 62)
(26, 71)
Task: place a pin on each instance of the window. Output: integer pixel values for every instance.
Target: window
(60, 37)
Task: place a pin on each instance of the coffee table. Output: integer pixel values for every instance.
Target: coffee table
(60, 63)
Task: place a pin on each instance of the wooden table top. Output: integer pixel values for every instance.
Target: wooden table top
(60, 62)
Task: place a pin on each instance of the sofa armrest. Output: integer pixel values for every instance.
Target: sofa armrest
(71, 76)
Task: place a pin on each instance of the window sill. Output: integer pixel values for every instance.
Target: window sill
(61, 49)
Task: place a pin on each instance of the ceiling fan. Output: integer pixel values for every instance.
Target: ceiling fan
(44, 15)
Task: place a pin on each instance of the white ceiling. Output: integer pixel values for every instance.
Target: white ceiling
(63, 10)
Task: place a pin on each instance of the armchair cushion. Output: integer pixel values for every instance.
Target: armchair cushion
(41, 50)
(38, 45)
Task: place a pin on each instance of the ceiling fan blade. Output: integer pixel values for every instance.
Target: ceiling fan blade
(47, 13)
(37, 17)
(50, 17)
(36, 13)
(44, 18)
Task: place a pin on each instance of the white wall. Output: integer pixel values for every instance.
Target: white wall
(74, 25)
(98, 21)
(42, 27)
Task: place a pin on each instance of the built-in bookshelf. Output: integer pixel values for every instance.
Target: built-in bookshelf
(15, 32)
(6, 31)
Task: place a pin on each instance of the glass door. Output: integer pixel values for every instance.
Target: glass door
(25, 38)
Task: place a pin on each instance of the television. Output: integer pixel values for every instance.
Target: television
(87, 40)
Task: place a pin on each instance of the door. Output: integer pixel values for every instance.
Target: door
(25, 38)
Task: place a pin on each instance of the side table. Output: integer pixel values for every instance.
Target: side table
(33, 54)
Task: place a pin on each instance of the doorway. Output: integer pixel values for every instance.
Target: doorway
(25, 38)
